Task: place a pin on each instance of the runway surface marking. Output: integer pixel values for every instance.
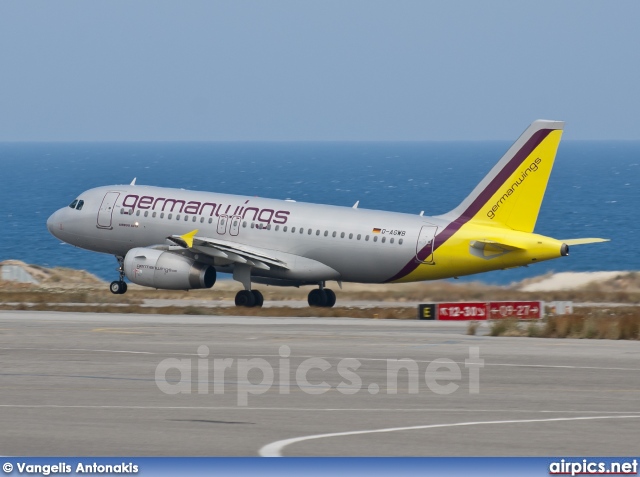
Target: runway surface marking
(325, 357)
(93, 351)
(300, 409)
(274, 449)
(513, 365)
(123, 331)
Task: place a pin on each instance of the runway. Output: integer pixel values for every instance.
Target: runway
(109, 385)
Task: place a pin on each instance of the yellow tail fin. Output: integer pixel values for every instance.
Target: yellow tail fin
(511, 194)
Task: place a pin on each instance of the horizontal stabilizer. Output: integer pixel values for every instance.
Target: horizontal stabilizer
(582, 241)
(490, 249)
(484, 244)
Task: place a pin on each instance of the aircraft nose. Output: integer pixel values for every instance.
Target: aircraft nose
(54, 223)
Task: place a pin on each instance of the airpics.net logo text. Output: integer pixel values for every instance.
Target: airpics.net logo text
(255, 376)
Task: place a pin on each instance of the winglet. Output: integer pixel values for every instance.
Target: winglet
(133, 182)
(188, 238)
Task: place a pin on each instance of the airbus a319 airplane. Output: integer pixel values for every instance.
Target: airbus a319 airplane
(178, 240)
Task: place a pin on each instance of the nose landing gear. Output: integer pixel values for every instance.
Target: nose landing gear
(119, 287)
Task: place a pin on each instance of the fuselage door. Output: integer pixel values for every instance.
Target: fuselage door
(222, 224)
(234, 229)
(426, 240)
(106, 210)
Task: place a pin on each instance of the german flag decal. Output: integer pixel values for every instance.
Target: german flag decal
(376, 231)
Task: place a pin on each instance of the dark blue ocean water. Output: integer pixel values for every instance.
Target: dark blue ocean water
(594, 190)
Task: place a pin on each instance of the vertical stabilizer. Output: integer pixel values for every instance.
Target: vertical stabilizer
(511, 194)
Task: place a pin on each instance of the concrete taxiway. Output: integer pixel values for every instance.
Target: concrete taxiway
(105, 384)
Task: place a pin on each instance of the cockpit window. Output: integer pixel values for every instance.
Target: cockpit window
(80, 204)
(73, 204)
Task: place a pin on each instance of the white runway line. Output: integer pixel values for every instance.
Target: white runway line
(298, 409)
(513, 365)
(275, 448)
(85, 349)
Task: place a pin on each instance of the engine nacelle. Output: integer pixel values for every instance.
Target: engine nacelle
(166, 270)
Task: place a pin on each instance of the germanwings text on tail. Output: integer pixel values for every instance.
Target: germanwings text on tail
(179, 240)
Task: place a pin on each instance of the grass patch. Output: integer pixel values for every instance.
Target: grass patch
(507, 327)
(597, 324)
(621, 323)
(65, 296)
(533, 330)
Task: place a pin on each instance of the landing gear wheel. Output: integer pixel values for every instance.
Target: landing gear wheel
(331, 298)
(118, 287)
(245, 298)
(258, 297)
(317, 297)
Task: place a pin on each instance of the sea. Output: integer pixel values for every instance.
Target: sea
(594, 189)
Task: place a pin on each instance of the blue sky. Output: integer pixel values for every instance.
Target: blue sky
(317, 70)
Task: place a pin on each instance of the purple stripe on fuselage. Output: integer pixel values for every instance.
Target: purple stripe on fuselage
(488, 192)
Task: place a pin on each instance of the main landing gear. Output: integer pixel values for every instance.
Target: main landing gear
(249, 298)
(322, 297)
(119, 287)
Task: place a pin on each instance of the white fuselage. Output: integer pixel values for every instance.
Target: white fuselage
(289, 243)
(360, 245)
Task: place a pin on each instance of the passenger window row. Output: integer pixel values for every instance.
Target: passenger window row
(261, 226)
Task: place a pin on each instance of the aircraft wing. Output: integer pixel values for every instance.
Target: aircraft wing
(253, 256)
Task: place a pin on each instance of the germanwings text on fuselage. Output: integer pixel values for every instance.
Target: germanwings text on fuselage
(192, 207)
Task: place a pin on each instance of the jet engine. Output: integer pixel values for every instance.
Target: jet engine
(160, 269)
